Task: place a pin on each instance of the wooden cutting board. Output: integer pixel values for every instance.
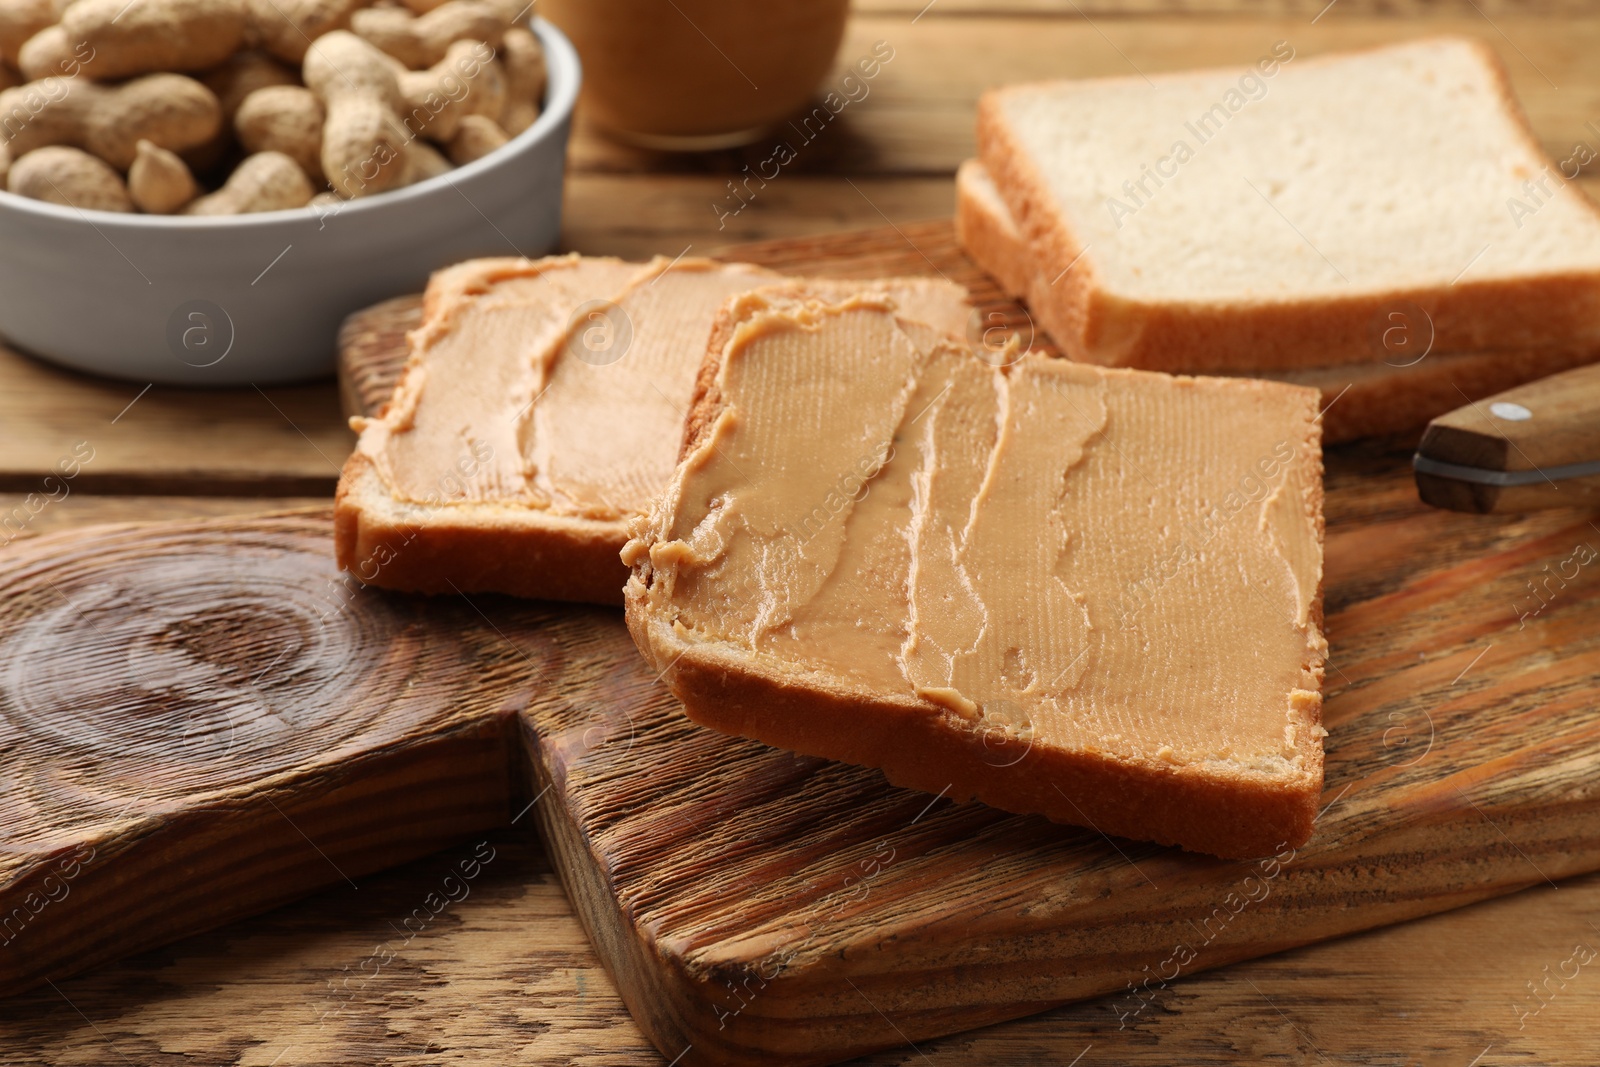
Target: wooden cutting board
(204, 721)
(209, 720)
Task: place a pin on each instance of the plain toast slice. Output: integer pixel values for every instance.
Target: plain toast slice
(1411, 385)
(1273, 216)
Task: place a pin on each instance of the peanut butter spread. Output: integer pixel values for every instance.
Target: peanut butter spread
(1111, 562)
(561, 384)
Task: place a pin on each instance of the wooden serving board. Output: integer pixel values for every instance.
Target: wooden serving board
(206, 720)
(209, 720)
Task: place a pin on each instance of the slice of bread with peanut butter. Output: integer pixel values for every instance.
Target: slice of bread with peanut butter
(1060, 589)
(541, 409)
(1406, 384)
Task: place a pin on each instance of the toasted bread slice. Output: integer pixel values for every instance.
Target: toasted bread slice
(1412, 385)
(540, 410)
(1272, 216)
(997, 582)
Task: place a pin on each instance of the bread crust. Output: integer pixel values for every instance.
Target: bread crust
(1095, 325)
(478, 548)
(989, 238)
(935, 751)
(1217, 809)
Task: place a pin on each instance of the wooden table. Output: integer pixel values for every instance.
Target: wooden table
(506, 976)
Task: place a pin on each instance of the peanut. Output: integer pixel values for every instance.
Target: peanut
(423, 161)
(242, 75)
(522, 58)
(515, 12)
(370, 93)
(266, 181)
(476, 138)
(422, 7)
(467, 81)
(70, 177)
(159, 181)
(363, 140)
(286, 28)
(170, 110)
(287, 119)
(422, 40)
(49, 54)
(129, 37)
(20, 20)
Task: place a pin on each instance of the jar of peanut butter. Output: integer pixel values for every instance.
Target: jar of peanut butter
(698, 74)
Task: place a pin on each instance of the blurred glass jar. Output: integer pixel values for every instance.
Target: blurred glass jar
(698, 74)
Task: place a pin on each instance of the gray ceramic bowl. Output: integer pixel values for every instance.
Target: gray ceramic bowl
(259, 298)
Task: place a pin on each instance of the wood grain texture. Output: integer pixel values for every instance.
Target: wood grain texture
(24, 515)
(277, 441)
(507, 976)
(635, 217)
(503, 974)
(207, 720)
(1096, 9)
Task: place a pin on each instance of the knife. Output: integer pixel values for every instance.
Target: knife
(1535, 446)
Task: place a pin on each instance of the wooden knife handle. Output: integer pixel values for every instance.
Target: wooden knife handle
(1538, 441)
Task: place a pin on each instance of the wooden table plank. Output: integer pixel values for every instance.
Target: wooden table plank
(22, 518)
(277, 441)
(637, 216)
(506, 976)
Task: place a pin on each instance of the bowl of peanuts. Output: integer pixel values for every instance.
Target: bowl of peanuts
(199, 191)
